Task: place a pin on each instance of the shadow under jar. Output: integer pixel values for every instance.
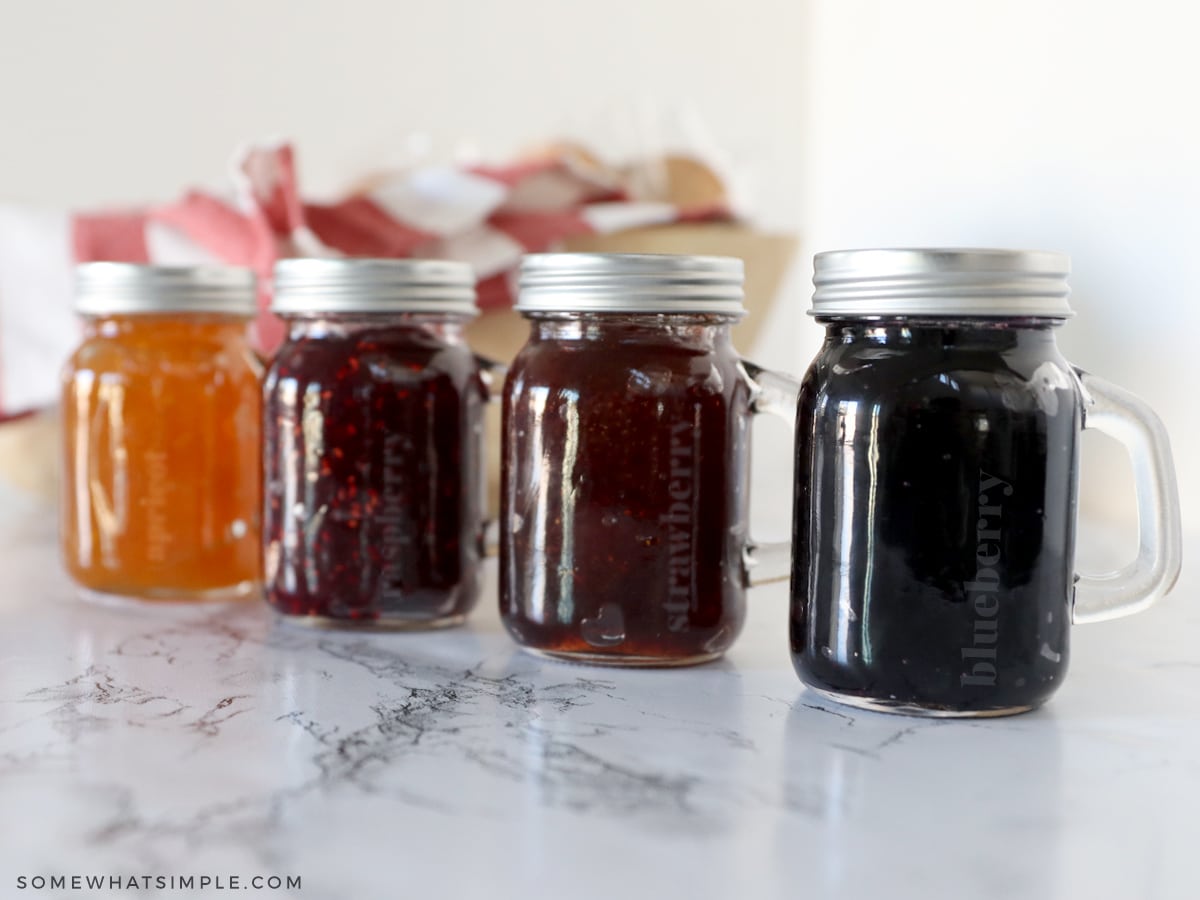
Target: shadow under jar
(373, 457)
(937, 455)
(625, 453)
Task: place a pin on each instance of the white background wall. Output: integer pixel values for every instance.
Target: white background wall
(1062, 124)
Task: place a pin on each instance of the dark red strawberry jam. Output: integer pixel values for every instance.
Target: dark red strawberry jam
(624, 495)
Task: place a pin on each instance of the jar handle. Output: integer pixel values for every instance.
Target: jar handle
(1119, 414)
(775, 394)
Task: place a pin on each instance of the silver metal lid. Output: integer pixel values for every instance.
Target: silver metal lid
(373, 286)
(630, 282)
(941, 282)
(112, 288)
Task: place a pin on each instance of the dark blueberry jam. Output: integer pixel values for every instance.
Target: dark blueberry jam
(934, 515)
(624, 499)
(373, 472)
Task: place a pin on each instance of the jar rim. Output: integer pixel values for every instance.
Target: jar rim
(640, 315)
(368, 286)
(942, 282)
(633, 283)
(117, 288)
(933, 320)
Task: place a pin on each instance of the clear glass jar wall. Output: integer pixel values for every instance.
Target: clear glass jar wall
(624, 488)
(161, 429)
(373, 453)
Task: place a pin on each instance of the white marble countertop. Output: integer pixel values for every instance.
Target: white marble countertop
(217, 741)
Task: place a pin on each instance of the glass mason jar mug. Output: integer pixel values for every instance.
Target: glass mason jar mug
(161, 490)
(936, 478)
(373, 456)
(623, 534)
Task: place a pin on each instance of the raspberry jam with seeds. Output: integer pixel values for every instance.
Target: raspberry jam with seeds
(373, 461)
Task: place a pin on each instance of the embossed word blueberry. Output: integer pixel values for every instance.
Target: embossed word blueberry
(981, 592)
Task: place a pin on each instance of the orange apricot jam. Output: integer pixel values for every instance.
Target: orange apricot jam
(161, 422)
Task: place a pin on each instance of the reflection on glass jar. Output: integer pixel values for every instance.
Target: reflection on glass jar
(161, 435)
(626, 433)
(373, 444)
(937, 464)
(942, 473)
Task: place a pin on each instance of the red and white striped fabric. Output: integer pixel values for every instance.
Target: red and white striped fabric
(487, 217)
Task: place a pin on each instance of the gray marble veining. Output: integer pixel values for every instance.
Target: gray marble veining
(221, 740)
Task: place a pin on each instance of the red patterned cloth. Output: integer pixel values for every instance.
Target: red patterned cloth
(487, 217)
